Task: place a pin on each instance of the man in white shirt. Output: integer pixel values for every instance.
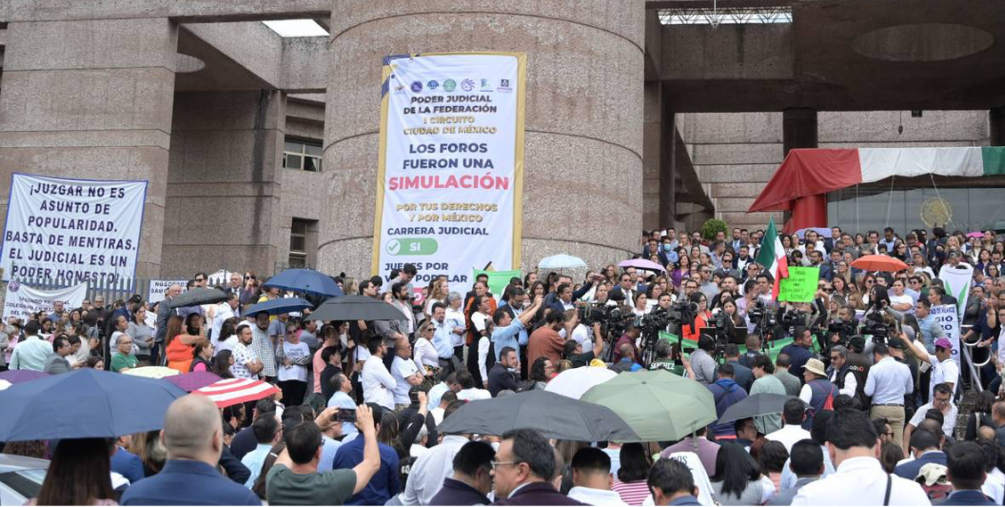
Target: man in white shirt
(592, 479)
(429, 470)
(246, 362)
(378, 383)
(405, 372)
(839, 375)
(224, 311)
(469, 391)
(888, 382)
(942, 400)
(859, 479)
(793, 414)
(944, 368)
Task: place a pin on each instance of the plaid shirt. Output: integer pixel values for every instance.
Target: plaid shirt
(262, 347)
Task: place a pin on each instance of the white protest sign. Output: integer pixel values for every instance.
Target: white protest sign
(72, 231)
(450, 170)
(158, 289)
(957, 283)
(947, 317)
(23, 301)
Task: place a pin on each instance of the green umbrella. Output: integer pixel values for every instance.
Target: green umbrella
(658, 405)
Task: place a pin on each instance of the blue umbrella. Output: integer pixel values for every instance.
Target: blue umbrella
(278, 305)
(86, 403)
(305, 280)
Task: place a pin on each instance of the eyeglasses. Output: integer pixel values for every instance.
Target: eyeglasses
(496, 464)
(200, 279)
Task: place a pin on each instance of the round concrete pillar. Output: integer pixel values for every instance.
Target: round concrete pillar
(583, 151)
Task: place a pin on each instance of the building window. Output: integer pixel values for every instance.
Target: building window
(298, 244)
(303, 156)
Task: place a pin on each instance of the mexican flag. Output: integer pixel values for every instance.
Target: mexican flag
(816, 171)
(771, 255)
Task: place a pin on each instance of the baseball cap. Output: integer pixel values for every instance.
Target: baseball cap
(932, 474)
(896, 343)
(944, 343)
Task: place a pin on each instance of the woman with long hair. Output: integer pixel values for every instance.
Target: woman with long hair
(180, 342)
(639, 307)
(631, 481)
(202, 357)
(737, 477)
(222, 363)
(80, 473)
(140, 332)
(840, 286)
(680, 272)
(693, 332)
(540, 373)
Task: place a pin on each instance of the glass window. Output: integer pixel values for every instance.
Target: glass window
(967, 209)
(302, 155)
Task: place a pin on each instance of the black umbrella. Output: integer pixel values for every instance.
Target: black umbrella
(198, 296)
(355, 308)
(756, 405)
(554, 415)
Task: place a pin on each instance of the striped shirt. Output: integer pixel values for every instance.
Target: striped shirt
(632, 493)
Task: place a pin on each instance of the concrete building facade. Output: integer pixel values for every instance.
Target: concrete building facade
(261, 150)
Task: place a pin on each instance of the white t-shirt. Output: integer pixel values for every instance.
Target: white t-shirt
(294, 371)
(473, 394)
(949, 420)
(894, 299)
(400, 370)
(583, 335)
(945, 371)
(478, 320)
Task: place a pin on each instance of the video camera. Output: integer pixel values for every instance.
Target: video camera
(613, 319)
(763, 318)
(680, 313)
(875, 325)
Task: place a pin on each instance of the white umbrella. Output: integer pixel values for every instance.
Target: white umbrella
(561, 261)
(575, 382)
(4, 385)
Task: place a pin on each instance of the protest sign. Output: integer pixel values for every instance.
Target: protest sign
(800, 286)
(23, 301)
(947, 317)
(498, 280)
(158, 289)
(72, 231)
(957, 283)
(450, 169)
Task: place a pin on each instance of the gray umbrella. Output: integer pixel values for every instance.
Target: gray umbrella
(554, 415)
(355, 308)
(756, 405)
(198, 296)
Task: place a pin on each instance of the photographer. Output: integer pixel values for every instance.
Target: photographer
(574, 351)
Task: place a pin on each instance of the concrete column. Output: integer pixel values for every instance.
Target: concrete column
(92, 99)
(658, 147)
(996, 119)
(799, 130)
(584, 122)
(224, 186)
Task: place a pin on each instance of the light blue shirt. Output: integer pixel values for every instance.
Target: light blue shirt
(888, 382)
(435, 394)
(254, 461)
(329, 446)
(342, 400)
(507, 337)
(523, 338)
(30, 354)
(928, 337)
(442, 340)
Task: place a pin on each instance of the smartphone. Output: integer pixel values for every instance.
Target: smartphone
(413, 397)
(345, 415)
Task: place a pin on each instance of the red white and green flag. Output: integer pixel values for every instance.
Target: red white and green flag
(815, 171)
(771, 255)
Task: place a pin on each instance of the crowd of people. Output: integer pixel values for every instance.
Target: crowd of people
(873, 416)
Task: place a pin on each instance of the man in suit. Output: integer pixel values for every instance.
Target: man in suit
(925, 448)
(966, 473)
(523, 469)
(472, 478)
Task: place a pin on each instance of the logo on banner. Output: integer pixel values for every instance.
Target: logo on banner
(504, 85)
(486, 85)
(449, 85)
(432, 85)
(13, 286)
(416, 86)
(467, 85)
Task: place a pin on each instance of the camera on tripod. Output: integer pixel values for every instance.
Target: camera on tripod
(612, 318)
(763, 318)
(875, 325)
(680, 313)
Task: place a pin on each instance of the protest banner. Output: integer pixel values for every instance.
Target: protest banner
(24, 302)
(957, 282)
(800, 286)
(948, 318)
(498, 280)
(72, 231)
(450, 169)
(158, 289)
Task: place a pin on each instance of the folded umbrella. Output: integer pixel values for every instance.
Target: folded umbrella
(878, 263)
(756, 405)
(554, 415)
(355, 308)
(152, 372)
(18, 376)
(195, 380)
(198, 296)
(561, 261)
(278, 306)
(233, 391)
(642, 264)
(85, 403)
(658, 405)
(573, 383)
(307, 281)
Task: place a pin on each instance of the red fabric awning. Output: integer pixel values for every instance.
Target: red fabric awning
(806, 172)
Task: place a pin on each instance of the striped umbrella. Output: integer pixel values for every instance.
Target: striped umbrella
(233, 391)
(195, 380)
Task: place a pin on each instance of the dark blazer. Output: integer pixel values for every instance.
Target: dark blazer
(500, 379)
(967, 497)
(455, 492)
(127, 464)
(236, 470)
(184, 482)
(537, 493)
(742, 375)
(910, 469)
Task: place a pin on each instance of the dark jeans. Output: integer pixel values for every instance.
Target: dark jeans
(155, 355)
(293, 392)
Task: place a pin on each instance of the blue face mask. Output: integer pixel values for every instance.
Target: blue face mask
(666, 248)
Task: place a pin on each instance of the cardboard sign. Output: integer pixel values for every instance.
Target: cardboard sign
(800, 286)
